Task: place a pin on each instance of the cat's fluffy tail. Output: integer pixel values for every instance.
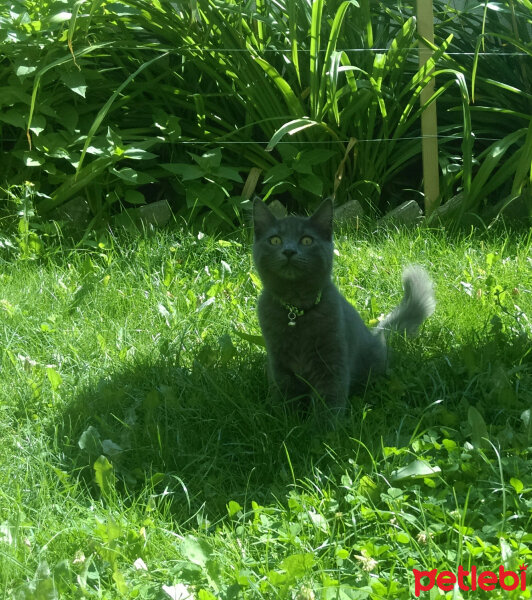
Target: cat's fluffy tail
(417, 304)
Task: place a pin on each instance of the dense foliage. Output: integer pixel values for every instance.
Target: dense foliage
(109, 105)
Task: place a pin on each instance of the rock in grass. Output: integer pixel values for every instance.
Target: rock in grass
(446, 212)
(74, 214)
(408, 213)
(348, 213)
(278, 209)
(155, 214)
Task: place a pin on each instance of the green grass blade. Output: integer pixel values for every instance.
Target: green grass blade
(260, 25)
(294, 48)
(292, 101)
(490, 160)
(75, 183)
(291, 128)
(328, 62)
(56, 63)
(315, 32)
(524, 165)
(105, 108)
(72, 29)
(366, 15)
(467, 141)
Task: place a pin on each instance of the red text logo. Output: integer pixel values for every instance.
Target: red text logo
(485, 580)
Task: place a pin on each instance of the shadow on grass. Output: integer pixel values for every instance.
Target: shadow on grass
(207, 435)
(211, 435)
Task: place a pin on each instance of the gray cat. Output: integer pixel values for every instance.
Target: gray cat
(317, 343)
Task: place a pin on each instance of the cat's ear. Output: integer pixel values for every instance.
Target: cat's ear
(263, 219)
(322, 219)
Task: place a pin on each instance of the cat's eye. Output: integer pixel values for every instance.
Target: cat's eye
(306, 240)
(275, 240)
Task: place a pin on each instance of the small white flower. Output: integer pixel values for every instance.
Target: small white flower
(178, 592)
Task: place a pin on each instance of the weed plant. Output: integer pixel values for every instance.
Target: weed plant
(143, 458)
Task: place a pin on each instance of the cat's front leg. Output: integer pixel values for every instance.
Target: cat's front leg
(330, 393)
(285, 382)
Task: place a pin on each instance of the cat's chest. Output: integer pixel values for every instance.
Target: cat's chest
(296, 340)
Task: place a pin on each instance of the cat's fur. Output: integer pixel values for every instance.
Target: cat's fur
(327, 350)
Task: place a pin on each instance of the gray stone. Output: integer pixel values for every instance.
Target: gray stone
(446, 212)
(75, 213)
(278, 210)
(407, 213)
(348, 213)
(155, 214)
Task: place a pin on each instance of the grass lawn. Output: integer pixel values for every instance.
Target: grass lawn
(142, 458)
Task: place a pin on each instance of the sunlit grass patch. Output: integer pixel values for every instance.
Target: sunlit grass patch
(143, 457)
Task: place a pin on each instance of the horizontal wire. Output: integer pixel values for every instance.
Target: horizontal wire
(420, 137)
(306, 50)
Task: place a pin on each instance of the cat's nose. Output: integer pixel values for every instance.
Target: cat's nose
(289, 252)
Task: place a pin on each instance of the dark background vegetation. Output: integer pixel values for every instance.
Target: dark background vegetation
(108, 106)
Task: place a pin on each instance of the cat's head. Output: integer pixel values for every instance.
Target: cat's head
(293, 250)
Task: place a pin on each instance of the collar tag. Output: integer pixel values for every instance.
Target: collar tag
(292, 317)
(294, 311)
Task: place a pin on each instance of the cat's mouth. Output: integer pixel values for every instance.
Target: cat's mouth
(290, 269)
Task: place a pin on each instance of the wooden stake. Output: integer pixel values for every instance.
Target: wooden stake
(429, 124)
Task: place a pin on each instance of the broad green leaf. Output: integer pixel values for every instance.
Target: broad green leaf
(32, 159)
(134, 197)
(312, 183)
(75, 81)
(131, 176)
(90, 441)
(104, 475)
(38, 124)
(13, 117)
(416, 469)
(60, 17)
(187, 172)
(120, 582)
(279, 172)
(233, 508)
(24, 70)
(478, 427)
(196, 551)
(297, 565)
(138, 154)
(258, 340)
(209, 161)
(517, 484)
(228, 173)
(54, 378)
(110, 448)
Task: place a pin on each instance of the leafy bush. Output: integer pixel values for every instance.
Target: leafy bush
(112, 105)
